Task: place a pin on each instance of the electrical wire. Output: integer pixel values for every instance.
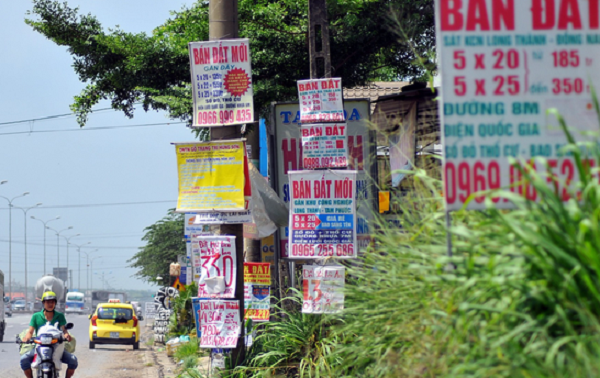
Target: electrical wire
(99, 128)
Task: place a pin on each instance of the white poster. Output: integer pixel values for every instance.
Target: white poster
(323, 289)
(503, 65)
(221, 82)
(220, 323)
(321, 100)
(322, 214)
(324, 145)
(227, 217)
(213, 260)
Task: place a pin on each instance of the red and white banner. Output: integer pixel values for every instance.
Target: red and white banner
(323, 289)
(214, 259)
(220, 323)
(321, 100)
(324, 145)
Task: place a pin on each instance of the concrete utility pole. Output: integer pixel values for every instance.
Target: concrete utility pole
(318, 36)
(223, 24)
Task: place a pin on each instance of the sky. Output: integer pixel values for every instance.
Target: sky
(109, 180)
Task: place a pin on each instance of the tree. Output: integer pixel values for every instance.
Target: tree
(164, 244)
(125, 68)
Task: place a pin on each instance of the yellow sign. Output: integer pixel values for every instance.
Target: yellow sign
(211, 176)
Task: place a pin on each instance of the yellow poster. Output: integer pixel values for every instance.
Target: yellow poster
(211, 176)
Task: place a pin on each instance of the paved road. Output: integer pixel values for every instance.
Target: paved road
(110, 360)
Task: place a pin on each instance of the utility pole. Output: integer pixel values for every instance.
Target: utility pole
(223, 24)
(318, 36)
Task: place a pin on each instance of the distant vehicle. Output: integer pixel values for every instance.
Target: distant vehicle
(4, 301)
(114, 323)
(103, 296)
(50, 283)
(75, 302)
(19, 305)
(8, 308)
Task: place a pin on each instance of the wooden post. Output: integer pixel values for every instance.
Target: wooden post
(318, 36)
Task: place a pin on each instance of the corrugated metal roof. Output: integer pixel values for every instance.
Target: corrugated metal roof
(375, 90)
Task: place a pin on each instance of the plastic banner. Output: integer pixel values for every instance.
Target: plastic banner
(324, 145)
(221, 82)
(321, 100)
(213, 261)
(211, 176)
(504, 64)
(257, 291)
(220, 323)
(323, 289)
(197, 316)
(322, 214)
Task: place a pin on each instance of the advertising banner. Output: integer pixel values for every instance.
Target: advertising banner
(211, 176)
(221, 82)
(150, 310)
(324, 145)
(193, 226)
(197, 315)
(213, 260)
(321, 100)
(503, 65)
(322, 214)
(257, 291)
(323, 289)
(220, 323)
(361, 157)
(225, 217)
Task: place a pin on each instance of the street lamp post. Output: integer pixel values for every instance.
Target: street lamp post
(58, 242)
(45, 223)
(87, 257)
(68, 238)
(10, 206)
(25, 210)
(79, 263)
(92, 270)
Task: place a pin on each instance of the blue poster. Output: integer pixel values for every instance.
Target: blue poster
(196, 307)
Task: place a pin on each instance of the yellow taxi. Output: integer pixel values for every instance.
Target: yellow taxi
(114, 323)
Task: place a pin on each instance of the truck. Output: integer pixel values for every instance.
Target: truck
(49, 282)
(103, 296)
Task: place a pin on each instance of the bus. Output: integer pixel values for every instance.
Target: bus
(75, 302)
(103, 296)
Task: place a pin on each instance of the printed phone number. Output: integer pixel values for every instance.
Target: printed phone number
(324, 162)
(224, 117)
(322, 250)
(463, 179)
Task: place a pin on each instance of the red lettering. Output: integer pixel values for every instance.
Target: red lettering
(355, 152)
(594, 13)
(569, 14)
(477, 14)
(290, 155)
(452, 19)
(503, 12)
(543, 14)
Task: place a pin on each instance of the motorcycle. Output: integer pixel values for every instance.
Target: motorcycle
(48, 350)
(8, 310)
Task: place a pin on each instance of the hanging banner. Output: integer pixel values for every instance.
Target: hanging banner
(211, 176)
(213, 260)
(503, 65)
(323, 289)
(361, 157)
(221, 82)
(322, 214)
(197, 315)
(257, 291)
(321, 100)
(220, 323)
(324, 145)
(224, 217)
(192, 226)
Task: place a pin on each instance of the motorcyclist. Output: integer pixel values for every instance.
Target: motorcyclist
(39, 319)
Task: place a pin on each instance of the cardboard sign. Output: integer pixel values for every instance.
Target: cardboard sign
(503, 65)
(150, 310)
(213, 260)
(324, 145)
(220, 323)
(221, 82)
(257, 291)
(322, 214)
(211, 176)
(321, 100)
(322, 288)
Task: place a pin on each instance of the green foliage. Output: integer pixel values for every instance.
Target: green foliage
(182, 321)
(153, 70)
(164, 244)
(297, 345)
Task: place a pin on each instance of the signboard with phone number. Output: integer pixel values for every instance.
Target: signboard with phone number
(322, 214)
(503, 65)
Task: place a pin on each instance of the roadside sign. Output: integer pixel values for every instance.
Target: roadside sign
(220, 323)
(214, 263)
(324, 145)
(361, 157)
(323, 289)
(503, 65)
(322, 214)
(321, 100)
(257, 291)
(150, 310)
(221, 82)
